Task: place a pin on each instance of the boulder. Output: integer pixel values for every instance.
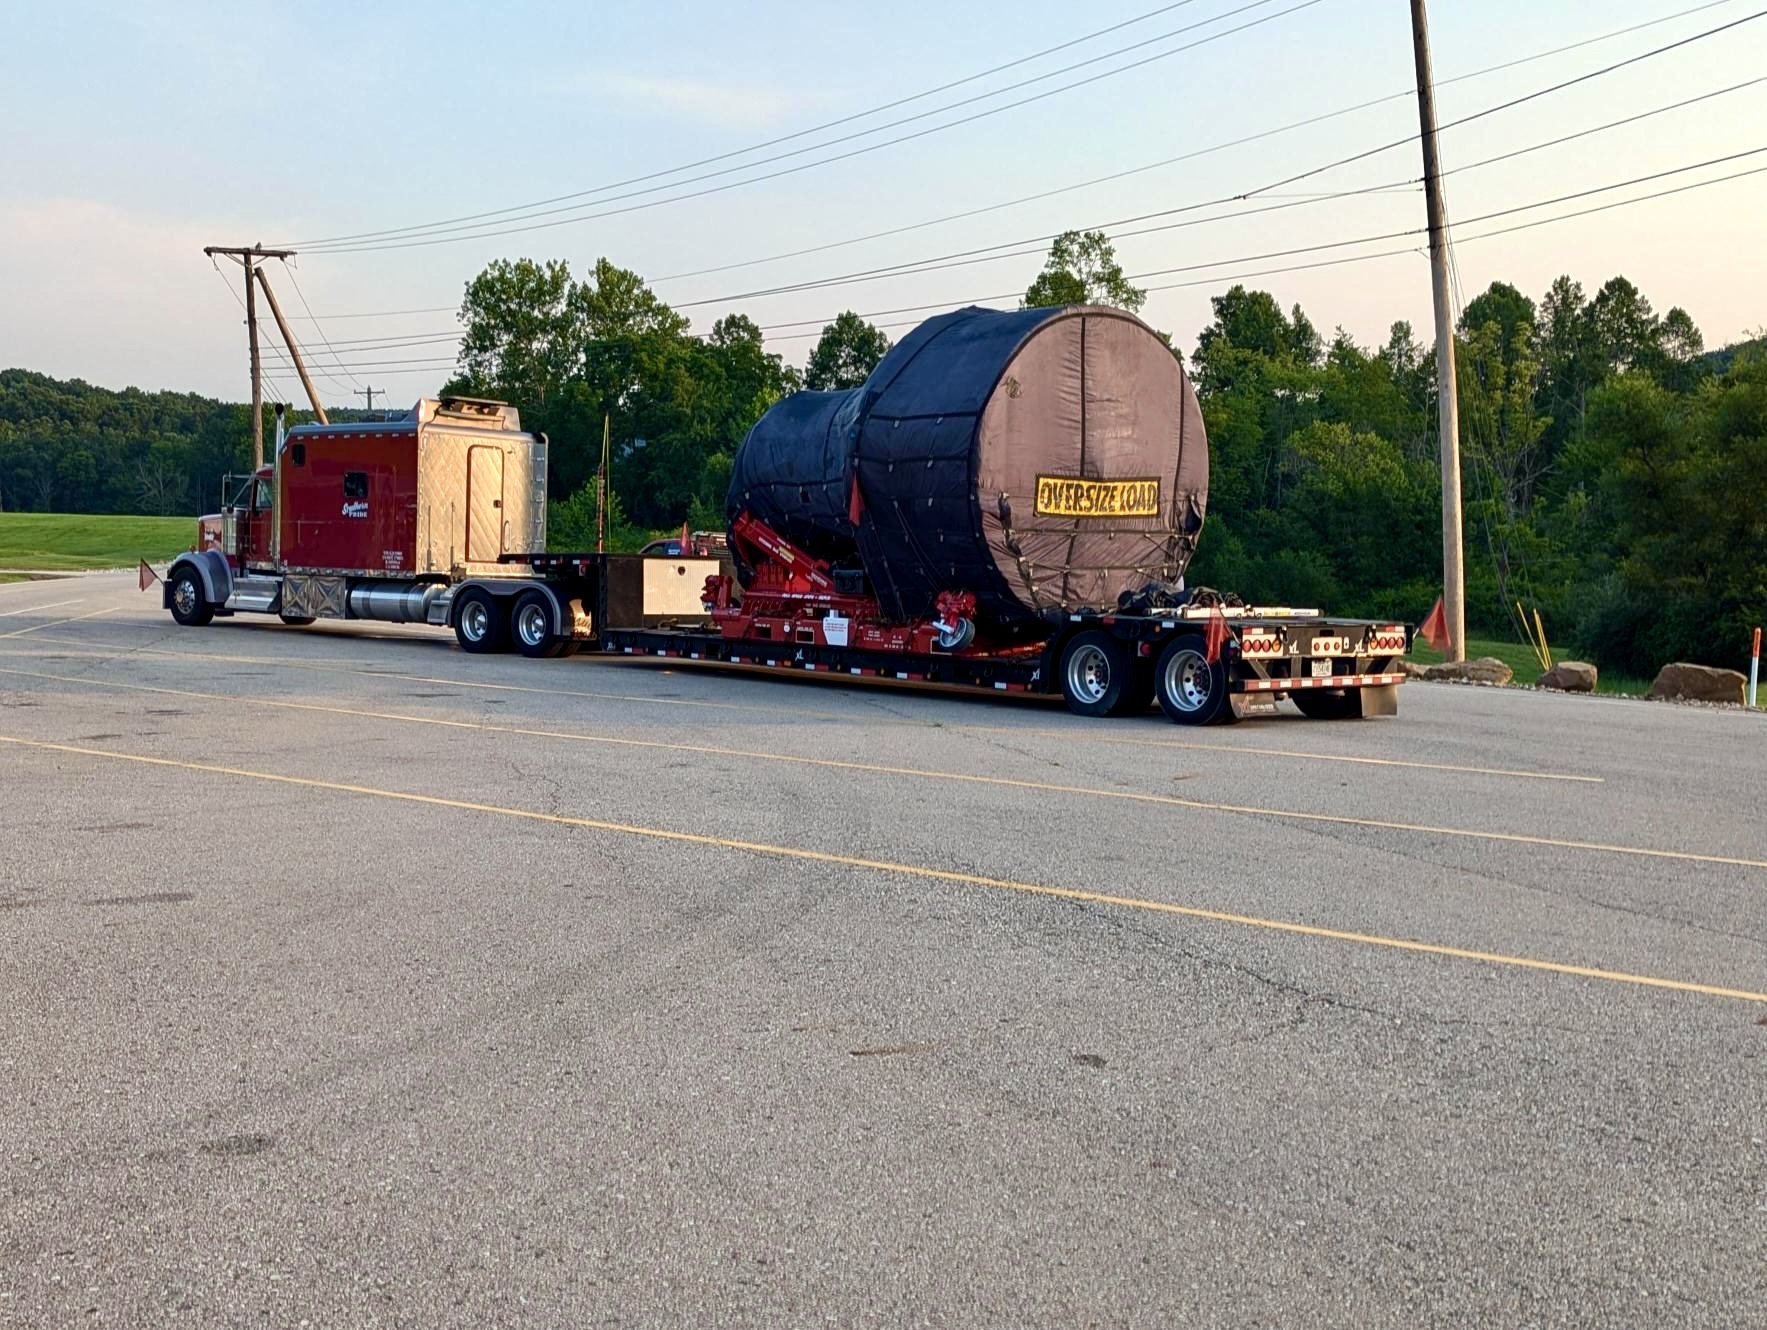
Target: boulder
(1570, 676)
(1486, 669)
(1412, 670)
(1697, 683)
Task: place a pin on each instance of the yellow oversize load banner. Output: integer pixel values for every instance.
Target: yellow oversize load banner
(1070, 496)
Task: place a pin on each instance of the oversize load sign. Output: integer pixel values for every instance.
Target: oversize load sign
(1069, 496)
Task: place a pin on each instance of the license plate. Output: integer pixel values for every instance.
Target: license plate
(1320, 669)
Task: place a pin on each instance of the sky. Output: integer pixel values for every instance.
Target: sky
(132, 135)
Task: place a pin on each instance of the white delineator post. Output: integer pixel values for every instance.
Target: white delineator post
(1755, 667)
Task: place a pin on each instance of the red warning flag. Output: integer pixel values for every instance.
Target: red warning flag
(1434, 629)
(146, 576)
(1216, 635)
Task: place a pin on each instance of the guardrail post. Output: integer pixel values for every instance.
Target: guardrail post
(1755, 667)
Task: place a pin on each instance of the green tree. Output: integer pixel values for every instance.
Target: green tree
(1082, 269)
(845, 354)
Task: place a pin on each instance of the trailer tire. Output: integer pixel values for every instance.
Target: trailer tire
(190, 607)
(1190, 690)
(1327, 704)
(1097, 675)
(480, 624)
(532, 627)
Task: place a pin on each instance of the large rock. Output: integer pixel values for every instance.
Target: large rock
(1570, 676)
(1697, 683)
(1486, 669)
(1411, 669)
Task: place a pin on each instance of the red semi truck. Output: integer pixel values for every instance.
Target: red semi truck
(440, 519)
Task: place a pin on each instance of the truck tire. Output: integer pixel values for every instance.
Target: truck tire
(190, 607)
(480, 624)
(1327, 704)
(1190, 690)
(1098, 675)
(531, 625)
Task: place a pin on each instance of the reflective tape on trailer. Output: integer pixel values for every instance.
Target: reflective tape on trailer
(1338, 681)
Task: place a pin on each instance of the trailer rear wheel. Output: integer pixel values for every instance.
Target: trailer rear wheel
(190, 607)
(1097, 675)
(1328, 704)
(531, 625)
(1191, 691)
(479, 624)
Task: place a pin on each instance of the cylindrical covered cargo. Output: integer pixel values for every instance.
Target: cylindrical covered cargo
(1045, 459)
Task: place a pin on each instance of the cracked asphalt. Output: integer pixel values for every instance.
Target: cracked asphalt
(351, 981)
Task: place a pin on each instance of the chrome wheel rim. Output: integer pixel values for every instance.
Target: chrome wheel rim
(1089, 674)
(531, 625)
(475, 620)
(1188, 681)
(184, 596)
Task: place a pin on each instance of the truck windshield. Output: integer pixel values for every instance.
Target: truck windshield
(266, 496)
(242, 497)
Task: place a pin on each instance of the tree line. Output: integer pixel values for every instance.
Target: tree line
(1615, 472)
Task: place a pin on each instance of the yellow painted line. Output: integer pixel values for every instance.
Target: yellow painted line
(38, 609)
(921, 773)
(918, 871)
(20, 632)
(1288, 752)
(1092, 734)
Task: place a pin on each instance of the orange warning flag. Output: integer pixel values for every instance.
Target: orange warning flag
(1216, 636)
(1434, 629)
(146, 576)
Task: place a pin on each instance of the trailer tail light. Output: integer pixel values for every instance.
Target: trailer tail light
(1385, 641)
(1329, 646)
(1259, 644)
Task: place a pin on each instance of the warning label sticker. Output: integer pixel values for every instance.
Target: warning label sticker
(1071, 496)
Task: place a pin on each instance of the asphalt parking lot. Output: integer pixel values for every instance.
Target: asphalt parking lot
(351, 981)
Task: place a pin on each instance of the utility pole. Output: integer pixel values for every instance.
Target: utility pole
(368, 392)
(247, 255)
(601, 489)
(1448, 395)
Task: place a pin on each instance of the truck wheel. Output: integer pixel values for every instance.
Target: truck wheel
(531, 625)
(479, 624)
(189, 607)
(296, 620)
(1324, 704)
(1190, 690)
(1097, 675)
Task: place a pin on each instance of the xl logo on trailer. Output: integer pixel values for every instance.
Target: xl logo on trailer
(1070, 496)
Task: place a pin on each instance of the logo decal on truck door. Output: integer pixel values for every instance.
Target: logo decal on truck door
(358, 508)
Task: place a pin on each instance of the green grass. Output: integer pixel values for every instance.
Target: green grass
(68, 542)
(1520, 658)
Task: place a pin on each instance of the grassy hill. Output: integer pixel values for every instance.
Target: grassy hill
(67, 542)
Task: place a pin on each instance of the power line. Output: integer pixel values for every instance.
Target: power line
(444, 235)
(317, 326)
(1305, 123)
(1358, 258)
(783, 138)
(1015, 248)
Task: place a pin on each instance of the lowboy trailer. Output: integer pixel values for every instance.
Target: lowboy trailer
(439, 519)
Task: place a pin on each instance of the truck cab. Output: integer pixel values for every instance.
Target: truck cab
(240, 532)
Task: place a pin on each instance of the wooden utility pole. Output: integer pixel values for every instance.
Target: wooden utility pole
(601, 489)
(368, 392)
(1447, 389)
(248, 255)
(294, 352)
